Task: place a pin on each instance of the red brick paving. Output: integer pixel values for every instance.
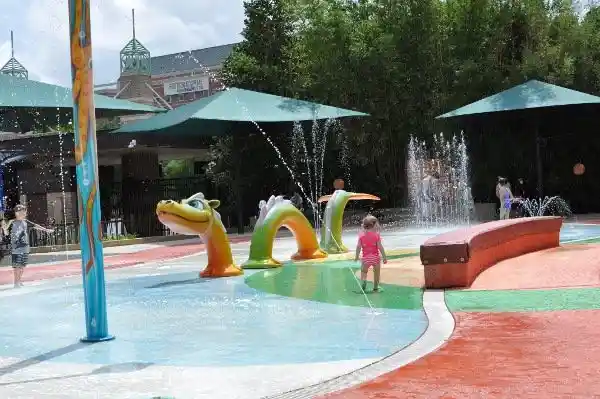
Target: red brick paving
(545, 269)
(73, 268)
(502, 355)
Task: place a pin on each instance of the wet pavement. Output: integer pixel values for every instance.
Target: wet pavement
(184, 337)
(278, 330)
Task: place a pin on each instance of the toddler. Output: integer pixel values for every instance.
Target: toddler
(18, 231)
(369, 242)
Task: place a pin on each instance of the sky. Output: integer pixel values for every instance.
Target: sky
(41, 30)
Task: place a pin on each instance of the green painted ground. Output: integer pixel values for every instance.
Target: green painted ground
(332, 282)
(590, 241)
(533, 300)
(523, 300)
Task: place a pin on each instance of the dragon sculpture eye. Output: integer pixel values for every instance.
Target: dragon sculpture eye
(196, 204)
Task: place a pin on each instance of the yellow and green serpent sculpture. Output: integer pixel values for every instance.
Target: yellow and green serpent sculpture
(278, 212)
(331, 229)
(274, 214)
(197, 216)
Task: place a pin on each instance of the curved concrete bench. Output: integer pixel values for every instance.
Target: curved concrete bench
(456, 258)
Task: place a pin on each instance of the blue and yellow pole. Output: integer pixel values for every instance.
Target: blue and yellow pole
(86, 158)
(2, 204)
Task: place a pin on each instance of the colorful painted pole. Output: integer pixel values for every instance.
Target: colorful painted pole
(2, 204)
(86, 158)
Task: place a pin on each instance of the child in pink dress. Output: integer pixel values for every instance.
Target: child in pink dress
(369, 242)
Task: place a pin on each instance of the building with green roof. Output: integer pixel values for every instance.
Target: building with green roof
(130, 161)
(169, 80)
(12, 66)
(30, 112)
(175, 79)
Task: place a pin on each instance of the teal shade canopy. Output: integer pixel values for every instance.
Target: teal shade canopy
(211, 115)
(17, 92)
(530, 95)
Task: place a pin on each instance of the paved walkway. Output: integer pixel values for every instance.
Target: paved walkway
(536, 343)
(502, 355)
(524, 330)
(49, 373)
(590, 218)
(44, 271)
(566, 266)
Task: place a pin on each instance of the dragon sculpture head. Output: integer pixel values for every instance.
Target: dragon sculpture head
(192, 216)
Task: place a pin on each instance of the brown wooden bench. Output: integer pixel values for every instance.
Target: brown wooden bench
(455, 258)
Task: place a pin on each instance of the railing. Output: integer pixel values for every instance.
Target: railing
(115, 229)
(69, 234)
(130, 210)
(386, 216)
(134, 202)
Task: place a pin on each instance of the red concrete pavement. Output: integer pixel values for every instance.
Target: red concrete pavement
(545, 269)
(72, 268)
(502, 355)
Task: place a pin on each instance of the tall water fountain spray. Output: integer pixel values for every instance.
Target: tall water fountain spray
(306, 166)
(544, 206)
(308, 151)
(438, 181)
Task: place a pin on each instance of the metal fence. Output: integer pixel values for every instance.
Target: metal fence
(129, 210)
(69, 234)
(134, 201)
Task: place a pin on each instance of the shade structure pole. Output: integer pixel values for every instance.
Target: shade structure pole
(538, 158)
(237, 184)
(86, 158)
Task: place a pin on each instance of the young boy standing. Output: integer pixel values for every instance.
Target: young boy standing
(18, 228)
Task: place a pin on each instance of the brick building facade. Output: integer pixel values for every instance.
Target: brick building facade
(169, 80)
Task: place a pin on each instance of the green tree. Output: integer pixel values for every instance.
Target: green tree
(588, 63)
(406, 61)
(262, 62)
(178, 168)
